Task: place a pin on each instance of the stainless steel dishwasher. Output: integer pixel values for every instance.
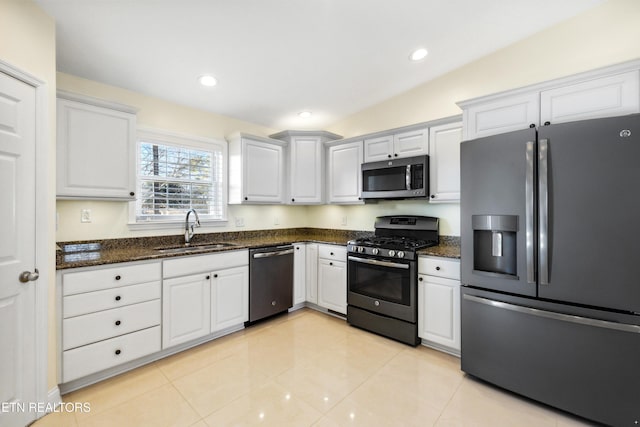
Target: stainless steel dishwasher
(270, 281)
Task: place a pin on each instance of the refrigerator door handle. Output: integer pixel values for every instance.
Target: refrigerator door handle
(554, 315)
(543, 210)
(530, 219)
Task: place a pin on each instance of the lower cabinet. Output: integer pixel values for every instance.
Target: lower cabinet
(195, 305)
(439, 303)
(332, 278)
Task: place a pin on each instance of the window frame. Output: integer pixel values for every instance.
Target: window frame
(164, 137)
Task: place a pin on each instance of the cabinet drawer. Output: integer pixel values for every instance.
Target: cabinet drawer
(204, 263)
(440, 267)
(105, 278)
(89, 328)
(90, 302)
(337, 253)
(92, 358)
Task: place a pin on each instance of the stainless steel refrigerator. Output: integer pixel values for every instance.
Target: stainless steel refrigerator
(550, 259)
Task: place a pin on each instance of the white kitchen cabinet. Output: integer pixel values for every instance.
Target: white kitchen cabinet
(305, 161)
(311, 273)
(96, 143)
(502, 114)
(203, 294)
(344, 179)
(332, 278)
(103, 311)
(414, 142)
(229, 298)
(439, 303)
(444, 162)
(614, 95)
(186, 308)
(299, 273)
(256, 170)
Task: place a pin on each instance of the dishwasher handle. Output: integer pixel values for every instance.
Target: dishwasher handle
(274, 253)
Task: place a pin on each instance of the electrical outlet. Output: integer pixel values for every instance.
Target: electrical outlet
(85, 215)
(276, 221)
(344, 220)
(239, 222)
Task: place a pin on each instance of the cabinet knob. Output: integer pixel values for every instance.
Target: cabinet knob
(215, 276)
(395, 155)
(433, 196)
(437, 268)
(246, 198)
(273, 303)
(208, 277)
(547, 123)
(118, 323)
(332, 253)
(293, 200)
(532, 125)
(330, 263)
(118, 352)
(132, 193)
(420, 279)
(118, 297)
(297, 248)
(118, 277)
(389, 155)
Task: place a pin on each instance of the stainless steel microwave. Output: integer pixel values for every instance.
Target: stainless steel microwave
(396, 179)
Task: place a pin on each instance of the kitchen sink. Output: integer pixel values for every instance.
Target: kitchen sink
(192, 248)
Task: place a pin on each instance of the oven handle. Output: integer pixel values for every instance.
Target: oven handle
(381, 263)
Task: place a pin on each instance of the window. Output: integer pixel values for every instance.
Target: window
(178, 173)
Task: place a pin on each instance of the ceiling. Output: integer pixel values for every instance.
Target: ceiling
(275, 58)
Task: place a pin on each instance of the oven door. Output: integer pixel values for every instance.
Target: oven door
(387, 287)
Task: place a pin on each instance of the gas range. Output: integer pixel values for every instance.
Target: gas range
(398, 237)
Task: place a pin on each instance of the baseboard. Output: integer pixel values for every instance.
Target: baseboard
(54, 398)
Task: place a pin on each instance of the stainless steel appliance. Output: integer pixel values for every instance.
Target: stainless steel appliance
(551, 279)
(396, 178)
(382, 276)
(270, 281)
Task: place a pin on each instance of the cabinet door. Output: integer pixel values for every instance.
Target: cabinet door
(306, 168)
(380, 148)
(605, 97)
(95, 152)
(186, 307)
(312, 273)
(502, 115)
(263, 172)
(229, 298)
(411, 143)
(439, 311)
(332, 285)
(345, 176)
(444, 162)
(299, 273)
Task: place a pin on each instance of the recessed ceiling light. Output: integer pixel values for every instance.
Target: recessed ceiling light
(207, 80)
(305, 114)
(418, 54)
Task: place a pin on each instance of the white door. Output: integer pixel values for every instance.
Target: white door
(17, 251)
(229, 298)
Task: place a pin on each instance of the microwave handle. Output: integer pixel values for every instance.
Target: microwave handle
(407, 177)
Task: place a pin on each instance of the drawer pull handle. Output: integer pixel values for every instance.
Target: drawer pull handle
(118, 277)
(118, 352)
(118, 323)
(118, 297)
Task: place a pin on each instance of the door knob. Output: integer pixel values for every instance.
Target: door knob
(27, 276)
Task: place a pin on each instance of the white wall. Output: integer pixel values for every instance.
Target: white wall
(27, 42)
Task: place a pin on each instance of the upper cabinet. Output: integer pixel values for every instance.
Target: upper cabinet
(256, 170)
(408, 143)
(444, 162)
(344, 180)
(609, 91)
(306, 165)
(95, 149)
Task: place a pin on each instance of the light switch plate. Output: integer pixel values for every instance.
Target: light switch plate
(85, 215)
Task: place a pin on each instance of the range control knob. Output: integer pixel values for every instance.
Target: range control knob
(362, 249)
(400, 254)
(375, 251)
(392, 253)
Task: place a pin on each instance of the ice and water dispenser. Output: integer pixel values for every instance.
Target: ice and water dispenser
(494, 244)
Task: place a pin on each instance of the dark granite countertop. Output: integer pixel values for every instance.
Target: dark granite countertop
(100, 252)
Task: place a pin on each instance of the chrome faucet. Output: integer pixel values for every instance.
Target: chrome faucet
(188, 230)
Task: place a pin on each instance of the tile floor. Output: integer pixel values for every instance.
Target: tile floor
(303, 369)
